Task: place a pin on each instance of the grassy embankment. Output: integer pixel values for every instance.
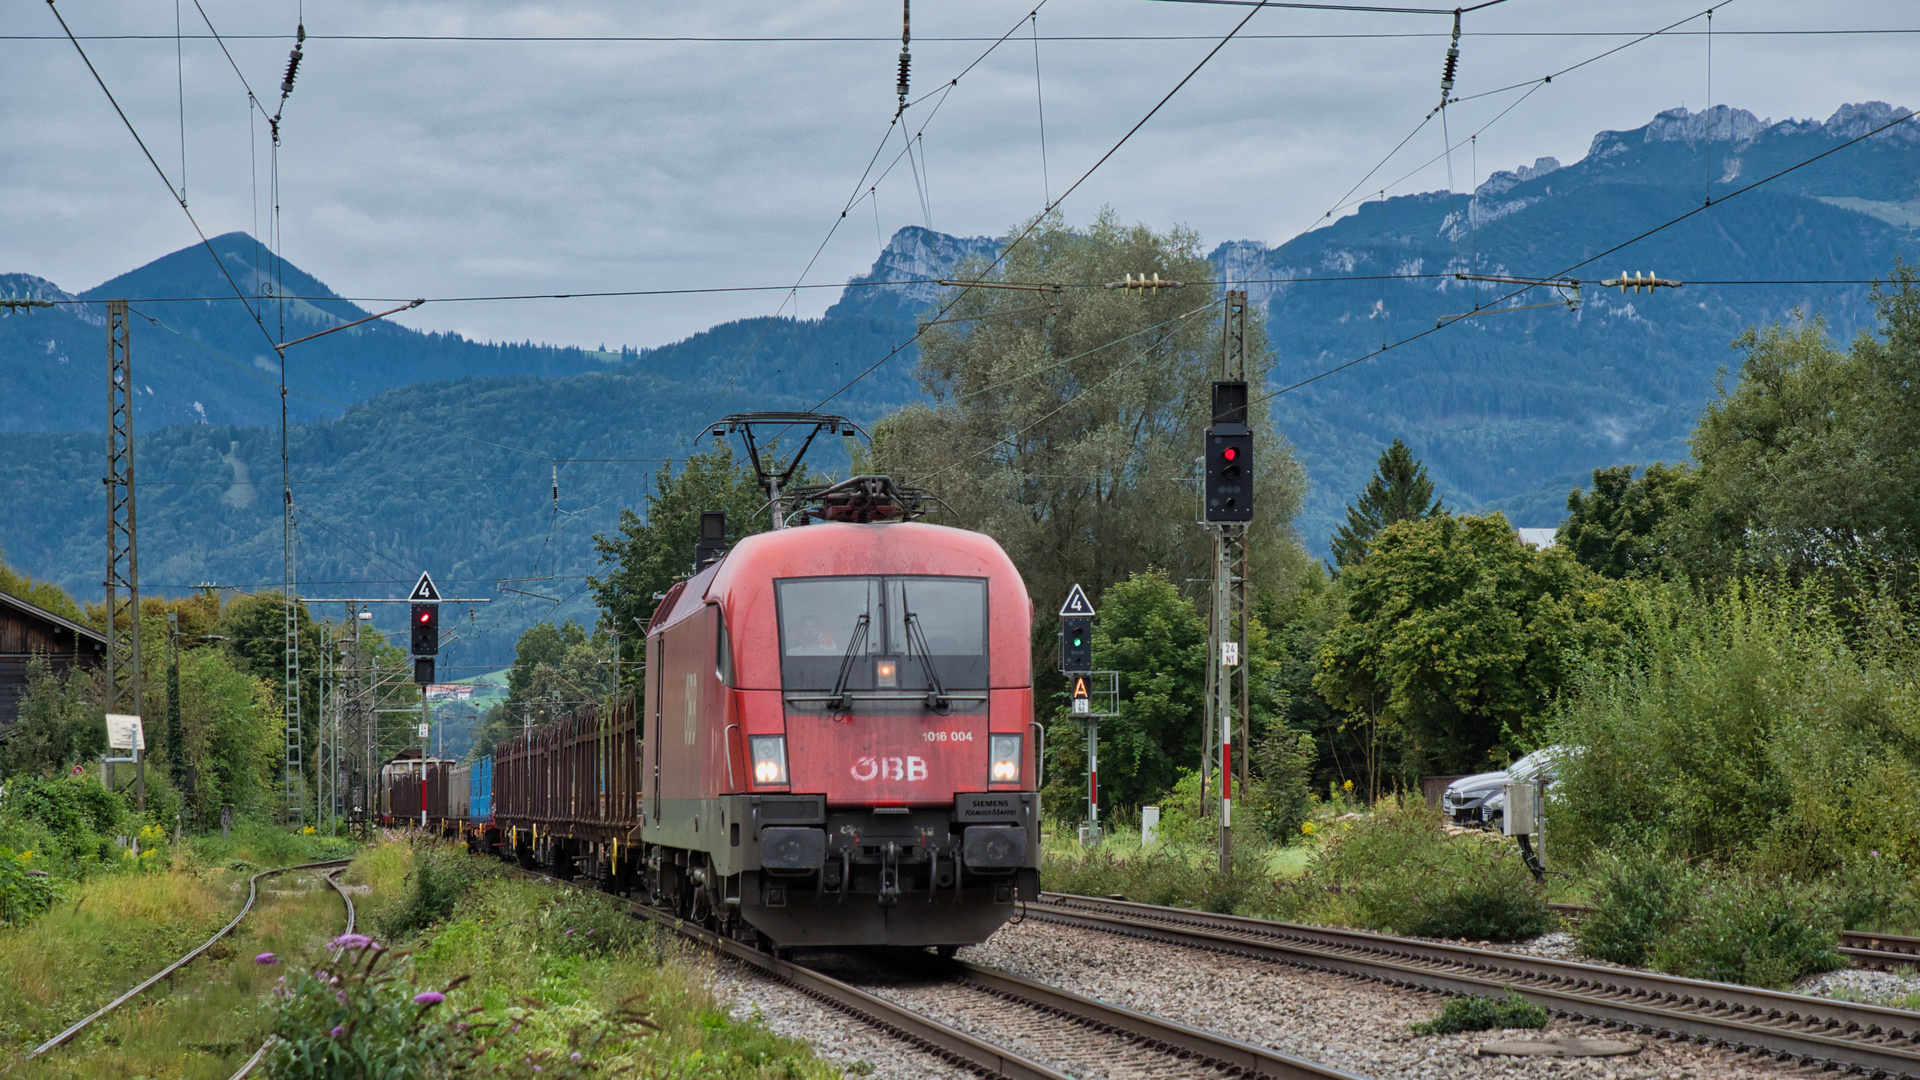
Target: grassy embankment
(548, 972)
(113, 930)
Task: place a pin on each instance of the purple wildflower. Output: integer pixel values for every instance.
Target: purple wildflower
(341, 996)
(337, 1031)
(429, 997)
(569, 931)
(265, 958)
(352, 941)
(575, 1055)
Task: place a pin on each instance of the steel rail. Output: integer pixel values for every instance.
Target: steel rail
(1864, 948)
(1815, 1031)
(260, 1055)
(1228, 1054)
(253, 891)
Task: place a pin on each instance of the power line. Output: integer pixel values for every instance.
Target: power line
(824, 39)
(854, 198)
(157, 170)
(1051, 206)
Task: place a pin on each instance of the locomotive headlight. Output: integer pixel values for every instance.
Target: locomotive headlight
(886, 673)
(769, 758)
(1005, 752)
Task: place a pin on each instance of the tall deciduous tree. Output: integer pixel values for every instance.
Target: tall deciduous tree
(1066, 424)
(1620, 527)
(1458, 635)
(1399, 491)
(1810, 462)
(650, 553)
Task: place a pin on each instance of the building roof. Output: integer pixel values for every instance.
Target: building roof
(1537, 538)
(33, 610)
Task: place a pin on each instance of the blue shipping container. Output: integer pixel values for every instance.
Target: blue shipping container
(480, 795)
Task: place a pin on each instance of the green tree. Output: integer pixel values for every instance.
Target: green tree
(61, 722)
(1810, 463)
(650, 553)
(1620, 529)
(255, 640)
(556, 669)
(1399, 491)
(1157, 642)
(1065, 425)
(233, 730)
(1459, 635)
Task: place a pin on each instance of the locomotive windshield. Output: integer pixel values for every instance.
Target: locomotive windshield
(891, 635)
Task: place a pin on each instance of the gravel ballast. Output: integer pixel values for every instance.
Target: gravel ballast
(1348, 1023)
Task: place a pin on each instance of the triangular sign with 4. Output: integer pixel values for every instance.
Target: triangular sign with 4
(1076, 604)
(424, 592)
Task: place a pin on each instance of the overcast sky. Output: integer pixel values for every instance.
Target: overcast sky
(445, 168)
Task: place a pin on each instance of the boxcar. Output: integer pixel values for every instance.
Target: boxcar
(405, 781)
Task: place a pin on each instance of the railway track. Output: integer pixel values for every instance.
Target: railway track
(1056, 1034)
(253, 893)
(1812, 1031)
(1883, 952)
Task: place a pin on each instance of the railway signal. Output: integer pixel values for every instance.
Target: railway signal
(1076, 633)
(1229, 456)
(425, 621)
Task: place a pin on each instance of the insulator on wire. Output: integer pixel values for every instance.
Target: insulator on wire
(906, 57)
(293, 61)
(1453, 62)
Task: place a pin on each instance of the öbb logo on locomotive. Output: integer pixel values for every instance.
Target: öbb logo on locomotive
(852, 758)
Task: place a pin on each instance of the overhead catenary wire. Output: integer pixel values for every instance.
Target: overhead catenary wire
(829, 39)
(853, 199)
(1046, 211)
(157, 170)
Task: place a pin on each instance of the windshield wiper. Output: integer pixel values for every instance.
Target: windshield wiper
(937, 697)
(859, 638)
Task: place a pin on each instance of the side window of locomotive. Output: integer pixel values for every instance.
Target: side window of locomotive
(722, 646)
(821, 620)
(944, 617)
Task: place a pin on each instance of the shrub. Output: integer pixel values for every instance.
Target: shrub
(1761, 931)
(1874, 892)
(441, 875)
(1752, 727)
(357, 1019)
(1398, 870)
(1638, 900)
(23, 893)
(1483, 1014)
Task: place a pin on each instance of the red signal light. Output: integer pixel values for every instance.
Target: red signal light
(1230, 453)
(425, 617)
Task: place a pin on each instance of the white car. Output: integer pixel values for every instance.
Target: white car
(1479, 799)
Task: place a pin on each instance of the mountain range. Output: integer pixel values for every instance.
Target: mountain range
(487, 461)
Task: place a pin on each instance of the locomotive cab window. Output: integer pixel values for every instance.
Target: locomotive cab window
(883, 636)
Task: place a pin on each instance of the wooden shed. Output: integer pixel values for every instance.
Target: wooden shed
(27, 628)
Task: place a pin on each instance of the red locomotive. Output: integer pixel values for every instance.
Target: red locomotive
(836, 746)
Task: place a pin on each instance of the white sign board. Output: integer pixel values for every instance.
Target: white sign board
(423, 731)
(1230, 653)
(125, 733)
(1077, 604)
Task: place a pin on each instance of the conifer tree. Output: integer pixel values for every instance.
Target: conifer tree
(1399, 491)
